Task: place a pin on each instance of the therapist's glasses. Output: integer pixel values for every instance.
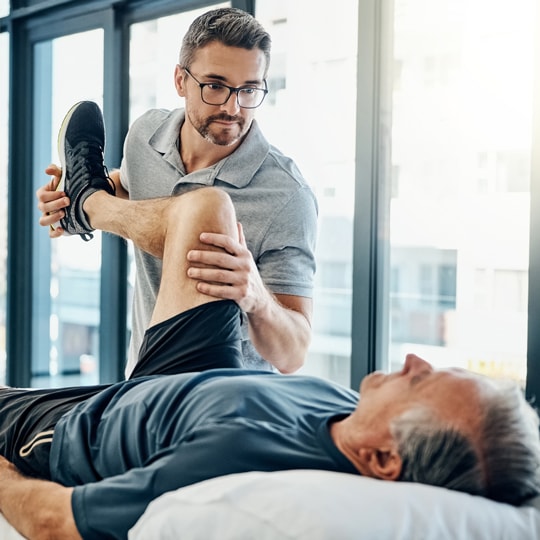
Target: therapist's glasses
(247, 97)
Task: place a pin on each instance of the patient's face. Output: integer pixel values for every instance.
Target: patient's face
(455, 395)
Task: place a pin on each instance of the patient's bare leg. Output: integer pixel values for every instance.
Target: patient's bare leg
(190, 214)
(168, 228)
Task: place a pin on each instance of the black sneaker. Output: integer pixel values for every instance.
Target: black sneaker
(81, 142)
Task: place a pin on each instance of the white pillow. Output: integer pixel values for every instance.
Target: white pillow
(321, 505)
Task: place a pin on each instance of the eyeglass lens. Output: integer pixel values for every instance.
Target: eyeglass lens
(215, 94)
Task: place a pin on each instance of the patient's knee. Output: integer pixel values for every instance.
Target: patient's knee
(207, 206)
(211, 197)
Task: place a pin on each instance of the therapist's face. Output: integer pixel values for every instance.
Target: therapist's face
(226, 124)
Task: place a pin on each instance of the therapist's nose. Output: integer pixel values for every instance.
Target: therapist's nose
(231, 106)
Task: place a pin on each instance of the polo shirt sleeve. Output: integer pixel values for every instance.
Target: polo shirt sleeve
(287, 260)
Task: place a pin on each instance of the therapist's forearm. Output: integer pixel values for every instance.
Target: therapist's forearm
(281, 332)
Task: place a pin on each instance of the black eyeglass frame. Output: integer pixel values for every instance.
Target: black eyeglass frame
(231, 90)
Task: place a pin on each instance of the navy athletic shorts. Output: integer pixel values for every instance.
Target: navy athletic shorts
(205, 337)
(201, 338)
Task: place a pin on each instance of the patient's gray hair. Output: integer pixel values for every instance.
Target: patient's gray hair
(230, 26)
(503, 466)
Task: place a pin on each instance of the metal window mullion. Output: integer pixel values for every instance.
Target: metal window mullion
(533, 338)
(367, 261)
(113, 292)
(20, 200)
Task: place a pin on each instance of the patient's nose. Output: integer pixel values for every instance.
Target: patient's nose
(414, 365)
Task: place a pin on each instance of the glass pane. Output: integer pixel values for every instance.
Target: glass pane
(460, 167)
(154, 50)
(4, 119)
(66, 292)
(310, 115)
(4, 8)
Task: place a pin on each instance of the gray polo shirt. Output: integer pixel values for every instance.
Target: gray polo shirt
(275, 205)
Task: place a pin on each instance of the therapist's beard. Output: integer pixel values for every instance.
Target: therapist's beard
(223, 137)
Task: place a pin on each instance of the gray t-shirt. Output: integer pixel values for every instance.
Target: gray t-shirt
(275, 205)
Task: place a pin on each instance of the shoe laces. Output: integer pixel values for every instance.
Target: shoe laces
(88, 157)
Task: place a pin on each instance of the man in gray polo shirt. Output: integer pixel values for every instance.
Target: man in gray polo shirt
(215, 141)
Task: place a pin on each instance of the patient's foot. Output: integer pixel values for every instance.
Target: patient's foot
(81, 142)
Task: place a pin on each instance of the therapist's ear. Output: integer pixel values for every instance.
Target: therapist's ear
(179, 80)
(382, 463)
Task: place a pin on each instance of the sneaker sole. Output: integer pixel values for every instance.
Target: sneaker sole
(61, 150)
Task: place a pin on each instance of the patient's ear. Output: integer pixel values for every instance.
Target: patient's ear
(383, 463)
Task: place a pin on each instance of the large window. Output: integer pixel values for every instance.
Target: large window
(4, 80)
(66, 298)
(411, 120)
(461, 110)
